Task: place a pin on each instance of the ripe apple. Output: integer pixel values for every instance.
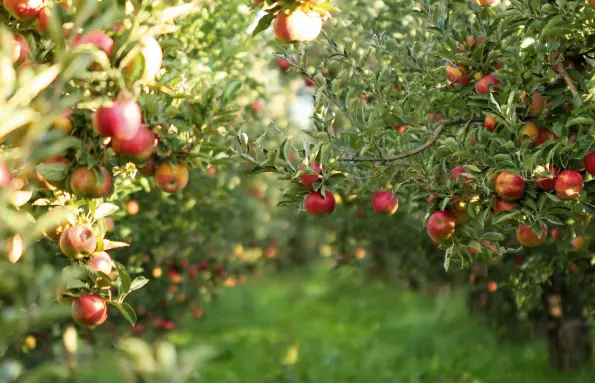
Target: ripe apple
(510, 186)
(569, 184)
(309, 179)
(78, 241)
(148, 168)
(101, 261)
(104, 184)
(483, 85)
(400, 128)
(132, 207)
(44, 16)
(89, 310)
(470, 42)
(283, 64)
(320, 206)
(490, 122)
(64, 123)
(441, 226)
(120, 119)
(435, 117)
(4, 175)
(23, 10)
(384, 202)
(488, 3)
(297, 26)
(146, 64)
(556, 233)
(492, 286)
(544, 135)
(529, 131)
(457, 175)
(537, 104)
(461, 217)
(547, 182)
(457, 74)
(309, 82)
(99, 39)
(171, 178)
(589, 162)
(22, 48)
(139, 148)
(578, 243)
(528, 237)
(87, 182)
(109, 224)
(256, 106)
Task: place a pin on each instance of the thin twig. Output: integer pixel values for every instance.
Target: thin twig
(431, 141)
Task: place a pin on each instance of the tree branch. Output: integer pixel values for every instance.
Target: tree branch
(569, 81)
(431, 141)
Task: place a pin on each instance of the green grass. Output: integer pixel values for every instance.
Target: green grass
(353, 332)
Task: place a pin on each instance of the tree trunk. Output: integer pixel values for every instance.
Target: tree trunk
(568, 332)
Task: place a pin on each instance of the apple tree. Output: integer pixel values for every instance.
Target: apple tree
(478, 113)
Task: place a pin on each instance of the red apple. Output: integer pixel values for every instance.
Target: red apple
(492, 286)
(309, 179)
(22, 46)
(256, 106)
(543, 136)
(457, 74)
(44, 16)
(385, 203)
(89, 310)
(589, 162)
(87, 182)
(139, 148)
(483, 85)
(78, 241)
(297, 26)
(435, 117)
(569, 184)
(578, 243)
(99, 39)
(488, 3)
(547, 182)
(510, 186)
(441, 226)
(109, 224)
(318, 205)
(400, 128)
(146, 64)
(121, 120)
(457, 175)
(132, 207)
(309, 82)
(101, 262)
(4, 175)
(172, 178)
(537, 104)
(528, 237)
(490, 122)
(283, 64)
(556, 233)
(23, 10)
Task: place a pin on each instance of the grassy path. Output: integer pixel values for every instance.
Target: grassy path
(351, 333)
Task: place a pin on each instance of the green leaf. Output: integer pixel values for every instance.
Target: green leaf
(230, 91)
(104, 210)
(263, 23)
(138, 283)
(53, 172)
(127, 312)
(124, 285)
(263, 169)
(493, 237)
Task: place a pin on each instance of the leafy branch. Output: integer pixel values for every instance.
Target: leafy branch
(431, 141)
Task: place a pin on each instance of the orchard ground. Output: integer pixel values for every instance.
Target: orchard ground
(321, 326)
